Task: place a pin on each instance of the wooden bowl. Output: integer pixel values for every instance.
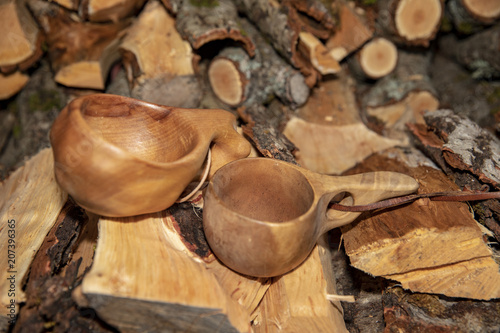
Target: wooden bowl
(262, 217)
(118, 156)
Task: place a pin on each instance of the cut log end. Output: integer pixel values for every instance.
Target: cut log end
(19, 42)
(485, 10)
(11, 84)
(378, 58)
(226, 81)
(418, 20)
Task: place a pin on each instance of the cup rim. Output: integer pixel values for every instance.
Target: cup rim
(312, 206)
(189, 157)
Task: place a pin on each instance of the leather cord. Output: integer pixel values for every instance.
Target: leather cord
(436, 196)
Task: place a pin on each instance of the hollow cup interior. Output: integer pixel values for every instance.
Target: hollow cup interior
(264, 190)
(147, 131)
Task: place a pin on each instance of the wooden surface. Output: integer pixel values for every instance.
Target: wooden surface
(142, 264)
(433, 247)
(328, 130)
(158, 61)
(90, 48)
(352, 33)
(297, 302)
(32, 198)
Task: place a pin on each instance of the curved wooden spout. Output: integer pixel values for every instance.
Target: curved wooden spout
(118, 156)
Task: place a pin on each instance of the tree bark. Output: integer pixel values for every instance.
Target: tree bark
(427, 246)
(81, 53)
(255, 80)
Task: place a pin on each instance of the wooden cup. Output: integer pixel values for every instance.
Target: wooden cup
(118, 156)
(262, 217)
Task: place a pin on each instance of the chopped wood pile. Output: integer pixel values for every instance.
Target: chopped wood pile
(338, 87)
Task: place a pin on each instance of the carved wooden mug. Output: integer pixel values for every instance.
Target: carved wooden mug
(262, 217)
(118, 156)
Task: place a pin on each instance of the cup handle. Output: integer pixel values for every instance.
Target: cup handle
(362, 189)
(227, 144)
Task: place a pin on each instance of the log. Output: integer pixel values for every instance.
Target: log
(89, 49)
(461, 139)
(262, 129)
(426, 246)
(158, 61)
(20, 44)
(376, 59)
(410, 22)
(392, 108)
(484, 64)
(352, 33)
(129, 289)
(328, 130)
(202, 22)
(470, 16)
(57, 268)
(274, 23)
(317, 54)
(238, 80)
(311, 16)
(30, 201)
(298, 301)
(451, 141)
(11, 84)
(106, 10)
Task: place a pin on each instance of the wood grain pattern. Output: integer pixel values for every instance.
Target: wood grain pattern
(32, 198)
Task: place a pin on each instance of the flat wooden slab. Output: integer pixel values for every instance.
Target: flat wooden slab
(428, 246)
(30, 201)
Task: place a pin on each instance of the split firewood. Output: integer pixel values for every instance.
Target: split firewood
(11, 84)
(201, 22)
(158, 61)
(275, 23)
(106, 10)
(464, 146)
(352, 33)
(20, 42)
(376, 59)
(405, 311)
(238, 80)
(303, 13)
(410, 22)
(317, 54)
(451, 141)
(66, 252)
(427, 246)
(470, 16)
(81, 53)
(484, 64)
(30, 201)
(142, 263)
(328, 130)
(402, 96)
(299, 301)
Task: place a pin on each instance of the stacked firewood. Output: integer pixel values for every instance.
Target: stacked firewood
(338, 87)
